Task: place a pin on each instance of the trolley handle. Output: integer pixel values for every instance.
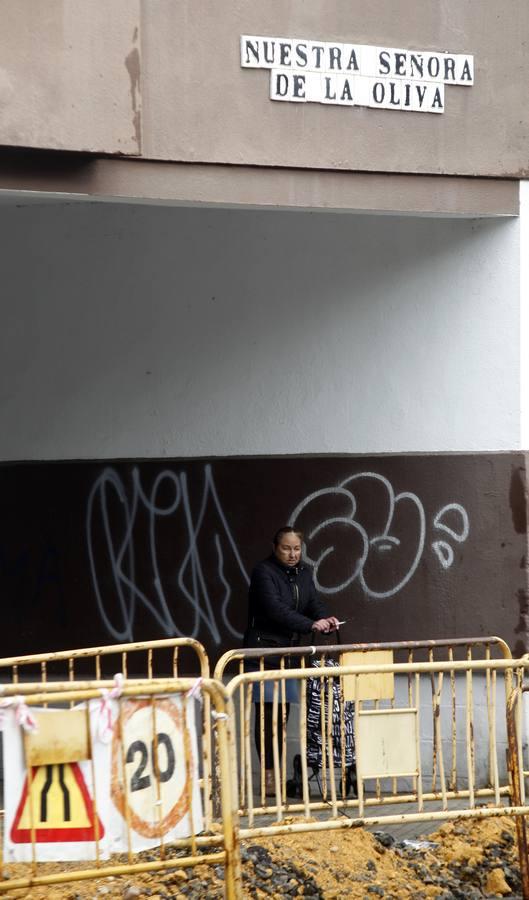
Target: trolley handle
(332, 637)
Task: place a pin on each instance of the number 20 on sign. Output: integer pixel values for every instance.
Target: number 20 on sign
(153, 783)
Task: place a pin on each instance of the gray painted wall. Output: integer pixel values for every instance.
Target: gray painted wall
(152, 332)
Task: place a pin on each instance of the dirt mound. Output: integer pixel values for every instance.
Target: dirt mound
(463, 860)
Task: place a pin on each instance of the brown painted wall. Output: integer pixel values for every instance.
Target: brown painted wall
(162, 79)
(432, 546)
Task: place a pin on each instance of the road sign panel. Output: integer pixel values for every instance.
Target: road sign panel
(152, 786)
(57, 807)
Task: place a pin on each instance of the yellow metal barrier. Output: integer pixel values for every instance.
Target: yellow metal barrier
(434, 649)
(148, 657)
(401, 773)
(143, 659)
(236, 662)
(416, 728)
(221, 847)
(518, 774)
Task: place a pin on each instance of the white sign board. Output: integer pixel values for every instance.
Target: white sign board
(386, 743)
(59, 806)
(306, 71)
(155, 779)
(144, 777)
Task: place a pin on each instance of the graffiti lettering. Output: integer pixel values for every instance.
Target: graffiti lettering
(360, 531)
(381, 559)
(118, 606)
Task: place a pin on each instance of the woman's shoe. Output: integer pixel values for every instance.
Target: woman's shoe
(351, 781)
(295, 784)
(270, 783)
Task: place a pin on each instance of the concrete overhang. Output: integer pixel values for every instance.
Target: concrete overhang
(29, 176)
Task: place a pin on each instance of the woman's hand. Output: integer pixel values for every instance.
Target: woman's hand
(321, 625)
(326, 625)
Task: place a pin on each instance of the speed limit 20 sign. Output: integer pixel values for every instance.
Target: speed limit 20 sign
(154, 783)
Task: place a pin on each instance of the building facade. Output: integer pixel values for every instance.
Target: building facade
(263, 264)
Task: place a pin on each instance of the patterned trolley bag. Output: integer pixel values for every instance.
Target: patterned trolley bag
(314, 734)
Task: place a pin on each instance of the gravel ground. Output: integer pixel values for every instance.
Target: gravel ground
(460, 861)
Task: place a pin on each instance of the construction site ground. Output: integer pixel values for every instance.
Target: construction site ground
(458, 860)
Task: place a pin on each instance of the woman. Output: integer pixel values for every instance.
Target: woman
(282, 605)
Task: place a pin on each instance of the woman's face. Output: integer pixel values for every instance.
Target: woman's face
(288, 550)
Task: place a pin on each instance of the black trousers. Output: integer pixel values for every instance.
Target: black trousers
(268, 737)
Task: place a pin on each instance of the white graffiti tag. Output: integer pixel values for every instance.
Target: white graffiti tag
(114, 564)
(362, 531)
(443, 549)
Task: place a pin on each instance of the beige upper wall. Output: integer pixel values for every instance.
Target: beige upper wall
(65, 74)
(162, 79)
(199, 105)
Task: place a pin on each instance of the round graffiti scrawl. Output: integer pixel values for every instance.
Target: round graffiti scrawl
(346, 542)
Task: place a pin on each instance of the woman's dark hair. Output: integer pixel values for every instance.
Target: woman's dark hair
(286, 529)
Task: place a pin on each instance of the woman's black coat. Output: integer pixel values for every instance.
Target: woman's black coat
(282, 603)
